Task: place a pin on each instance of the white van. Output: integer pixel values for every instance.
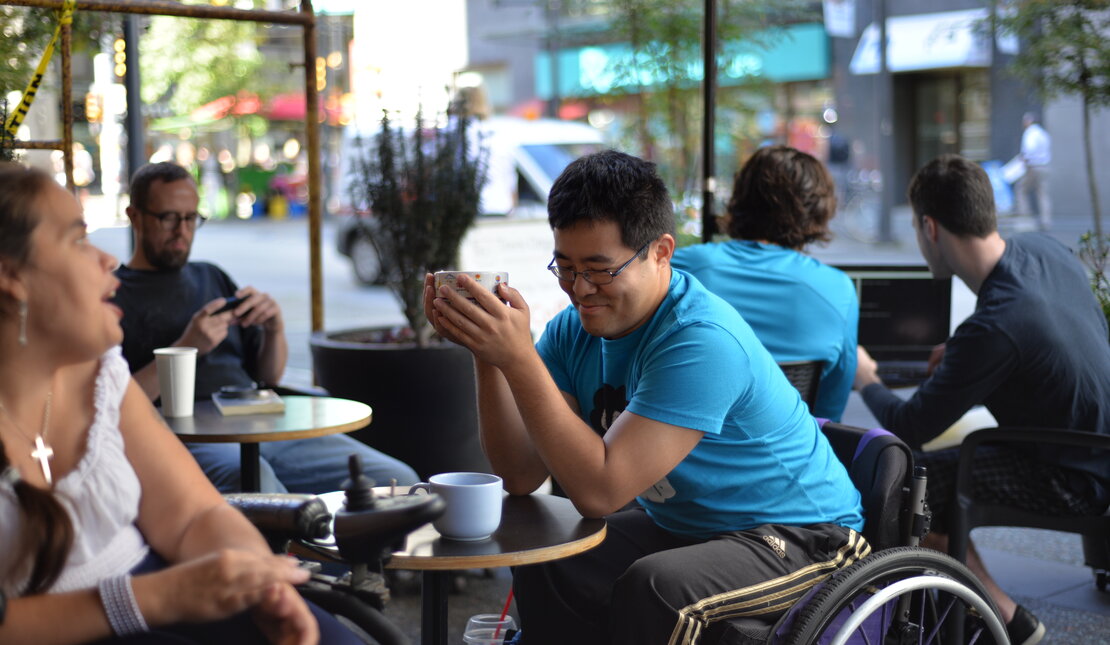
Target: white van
(525, 158)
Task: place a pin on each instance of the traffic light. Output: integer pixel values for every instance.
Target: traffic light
(120, 57)
(94, 107)
(321, 74)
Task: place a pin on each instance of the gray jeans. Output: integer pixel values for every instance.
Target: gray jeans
(1035, 182)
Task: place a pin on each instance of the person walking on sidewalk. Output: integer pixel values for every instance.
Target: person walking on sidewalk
(1036, 152)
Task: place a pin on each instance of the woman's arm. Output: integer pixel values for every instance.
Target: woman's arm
(181, 514)
(223, 564)
(205, 589)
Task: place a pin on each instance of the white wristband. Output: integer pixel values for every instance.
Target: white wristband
(121, 607)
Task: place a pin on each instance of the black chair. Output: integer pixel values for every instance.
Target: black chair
(805, 376)
(968, 514)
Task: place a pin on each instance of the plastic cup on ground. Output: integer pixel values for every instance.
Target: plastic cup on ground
(177, 377)
(488, 629)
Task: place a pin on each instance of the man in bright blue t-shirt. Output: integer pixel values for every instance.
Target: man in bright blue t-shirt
(650, 388)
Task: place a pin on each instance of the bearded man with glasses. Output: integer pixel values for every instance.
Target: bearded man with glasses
(650, 389)
(169, 301)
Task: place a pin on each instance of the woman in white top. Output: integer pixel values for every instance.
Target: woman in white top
(93, 486)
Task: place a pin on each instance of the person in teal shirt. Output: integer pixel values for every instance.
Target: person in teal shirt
(650, 389)
(800, 308)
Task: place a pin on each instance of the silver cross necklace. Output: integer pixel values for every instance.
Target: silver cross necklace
(42, 451)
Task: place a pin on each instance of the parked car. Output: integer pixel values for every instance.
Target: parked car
(525, 158)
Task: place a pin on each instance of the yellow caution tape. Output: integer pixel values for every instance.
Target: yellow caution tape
(15, 120)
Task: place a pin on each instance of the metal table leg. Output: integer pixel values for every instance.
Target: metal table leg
(433, 613)
(250, 476)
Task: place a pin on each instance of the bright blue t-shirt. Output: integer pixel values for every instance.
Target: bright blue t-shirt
(696, 364)
(800, 308)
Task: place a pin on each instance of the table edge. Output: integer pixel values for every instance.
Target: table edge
(508, 559)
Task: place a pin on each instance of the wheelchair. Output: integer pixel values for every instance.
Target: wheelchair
(366, 531)
(898, 594)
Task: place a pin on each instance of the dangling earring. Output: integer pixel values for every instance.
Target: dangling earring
(23, 323)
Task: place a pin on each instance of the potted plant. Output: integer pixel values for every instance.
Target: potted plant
(422, 189)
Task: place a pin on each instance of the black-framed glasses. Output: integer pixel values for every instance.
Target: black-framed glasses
(596, 277)
(170, 220)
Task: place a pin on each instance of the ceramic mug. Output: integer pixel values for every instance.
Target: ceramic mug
(473, 504)
(488, 279)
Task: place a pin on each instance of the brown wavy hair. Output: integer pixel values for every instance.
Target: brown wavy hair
(47, 534)
(784, 196)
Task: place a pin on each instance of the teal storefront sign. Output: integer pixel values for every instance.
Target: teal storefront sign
(793, 53)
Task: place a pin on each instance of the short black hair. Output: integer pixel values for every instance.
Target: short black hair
(612, 186)
(957, 193)
(784, 196)
(147, 174)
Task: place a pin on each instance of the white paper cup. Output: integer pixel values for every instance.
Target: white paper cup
(473, 504)
(488, 279)
(177, 378)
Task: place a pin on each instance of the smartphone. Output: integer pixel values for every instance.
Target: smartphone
(231, 303)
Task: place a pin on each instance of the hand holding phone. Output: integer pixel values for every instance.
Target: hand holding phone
(231, 303)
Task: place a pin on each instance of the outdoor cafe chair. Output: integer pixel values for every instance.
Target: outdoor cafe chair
(805, 376)
(967, 513)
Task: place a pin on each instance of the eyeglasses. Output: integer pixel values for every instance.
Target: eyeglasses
(170, 220)
(596, 277)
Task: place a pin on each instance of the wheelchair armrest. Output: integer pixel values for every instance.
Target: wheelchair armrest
(284, 517)
(1053, 436)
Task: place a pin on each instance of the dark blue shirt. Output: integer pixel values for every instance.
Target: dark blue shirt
(1035, 353)
(158, 305)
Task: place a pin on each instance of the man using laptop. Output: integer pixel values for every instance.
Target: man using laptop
(1034, 352)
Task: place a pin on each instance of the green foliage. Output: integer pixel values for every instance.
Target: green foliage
(666, 40)
(222, 58)
(1065, 51)
(24, 34)
(1097, 258)
(423, 188)
(1064, 46)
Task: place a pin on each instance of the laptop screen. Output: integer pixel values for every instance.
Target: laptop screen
(904, 312)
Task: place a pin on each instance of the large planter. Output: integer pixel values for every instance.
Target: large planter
(424, 399)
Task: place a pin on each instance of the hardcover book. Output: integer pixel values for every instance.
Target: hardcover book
(249, 402)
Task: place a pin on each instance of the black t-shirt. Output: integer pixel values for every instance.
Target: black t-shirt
(1035, 353)
(157, 306)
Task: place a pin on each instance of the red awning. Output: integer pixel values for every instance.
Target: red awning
(238, 105)
(291, 106)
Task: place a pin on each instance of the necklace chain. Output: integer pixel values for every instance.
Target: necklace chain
(42, 452)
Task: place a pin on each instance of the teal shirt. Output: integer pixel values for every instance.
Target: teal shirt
(800, 308)
(697, 364)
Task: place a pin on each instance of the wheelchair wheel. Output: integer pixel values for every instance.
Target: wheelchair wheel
(899, 595)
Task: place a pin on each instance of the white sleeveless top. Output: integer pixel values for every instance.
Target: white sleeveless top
(101, 495)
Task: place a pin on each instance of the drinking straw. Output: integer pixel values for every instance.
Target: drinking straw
(504, 612)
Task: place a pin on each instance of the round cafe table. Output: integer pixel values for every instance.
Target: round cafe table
(304, 417)
(534, 528)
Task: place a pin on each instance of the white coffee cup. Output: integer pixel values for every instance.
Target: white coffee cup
(488, 279)
(177, 378)
(473, 504)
